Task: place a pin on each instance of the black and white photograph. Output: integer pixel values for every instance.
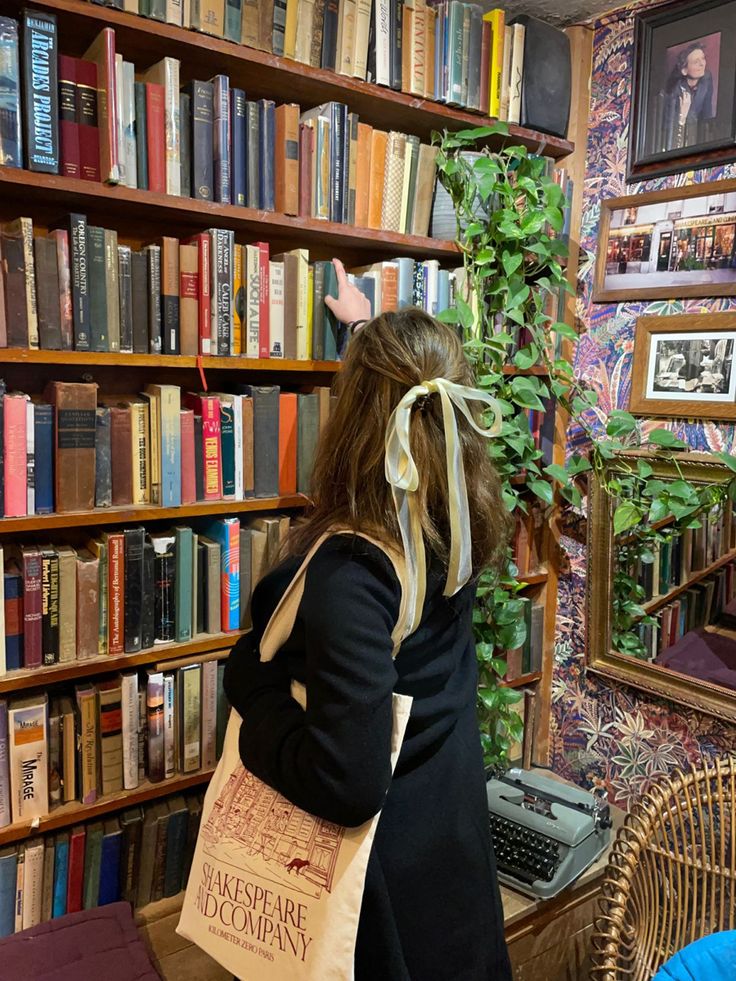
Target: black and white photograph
(692, 366)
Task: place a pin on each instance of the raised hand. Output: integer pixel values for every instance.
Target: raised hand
(350, 304)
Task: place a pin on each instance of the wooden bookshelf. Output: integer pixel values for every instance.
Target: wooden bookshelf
(658, 602)
(67, 814)
(524, 679)
(105, 359)
(128, 514)
(41, 677)
(530, 579)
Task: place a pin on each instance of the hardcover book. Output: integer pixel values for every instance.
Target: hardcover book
(75, 404)
(41, 91)
(87, 727)
(11, 141)
(111, 735)
(27, 726)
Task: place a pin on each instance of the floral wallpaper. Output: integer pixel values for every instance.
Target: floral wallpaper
(604, 734)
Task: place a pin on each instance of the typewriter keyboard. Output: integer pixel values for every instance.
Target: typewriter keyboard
(521, 853)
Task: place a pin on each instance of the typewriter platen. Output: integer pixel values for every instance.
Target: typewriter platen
(545, 833)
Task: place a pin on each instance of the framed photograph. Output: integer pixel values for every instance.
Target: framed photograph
(679, 242)
(683, 97)
(684, 367)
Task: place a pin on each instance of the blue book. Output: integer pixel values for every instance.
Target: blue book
(184, 557)
(339, 153)
(367, 286)
(11, 141)
(238, 148)
(8, 885)
(221, 85)
(61, 873)
(13, 615)
(267, 152)
(110, 863)
(176, 842)
(443, 291)
(43, 424)
(226, 532)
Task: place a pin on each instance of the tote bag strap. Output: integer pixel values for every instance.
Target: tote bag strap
(281, 624)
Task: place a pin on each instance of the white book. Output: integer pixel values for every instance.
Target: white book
(174, 12)
(360, 39)
(32, 884)
(6, 813)
(186, 14)
(30, 459)
(508, 44)
(304, 31)
(209, 714)
(276, 308)
(27, 727)
(19, 890)
(191, 692)
(382, 38)
(517, 73)
(119, 98)
(195, 577)
(238, 432)
(169, 727)
(166, 73)
(67, 603)
(253, 296)
(127, 116)
(433, 276)
(131, 722)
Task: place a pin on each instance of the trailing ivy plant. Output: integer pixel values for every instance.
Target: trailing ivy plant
(510, 215)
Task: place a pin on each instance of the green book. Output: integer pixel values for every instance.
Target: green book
(157, 9)
(319, 311)
(233, 18)
(455, 86)
(184, 558)
(92, 861)
(141, 138)
(307, 436)
(227, 446)
(331, 324)
(97, 288)
(412, 150)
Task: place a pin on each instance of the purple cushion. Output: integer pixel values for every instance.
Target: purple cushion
(704, 655)
(94, 945)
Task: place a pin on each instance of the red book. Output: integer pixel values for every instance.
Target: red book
(68, 125)
(202, 241)
(306, 153)
(264, 305)
(188, 481)
(156, 135)
(75, 874)
(287, 443)
(87, 119)
(102, 53)
(115, 592)
(15, 452)
(28, 559)
(208, 407)
(485, 67)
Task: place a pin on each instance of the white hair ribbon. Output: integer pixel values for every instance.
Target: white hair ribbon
(403, 476)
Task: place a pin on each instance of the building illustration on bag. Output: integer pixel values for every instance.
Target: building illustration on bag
(249, 818)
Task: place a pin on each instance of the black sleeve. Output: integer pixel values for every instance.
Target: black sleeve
(333, 759)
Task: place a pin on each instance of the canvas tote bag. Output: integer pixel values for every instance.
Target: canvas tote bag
(274, 893)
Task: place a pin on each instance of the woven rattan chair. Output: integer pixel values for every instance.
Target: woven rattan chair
(671, 877)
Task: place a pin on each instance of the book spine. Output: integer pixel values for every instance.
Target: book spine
(191, 747)
(112, 290)
(276, 294)
(87, 120)
(32, 609)
(133, 588)
(189, 287)
(184, 549)
(111, 738)
(28, 761)
(252, 155)
(264, 306)
(209, 714)
(30, 458)
(11, 140)
(102, 52)
(47, 289)
(30, 282)
(141, 135)
(156, 137)
(267, 149)
(202, 141)
(43, 423)
(50, 607)
(116, 594)
(41, 91)
(286, 164)
(155, 721)
(69, 147)
(238, 161)
(97, 289)
(170, 295)
(129, 153)
(79, 275)
(221, 97)
(147, 613)
(154, 298)
(222, 289)
(278, 41)
(212, 449)
(169, 730)
(253, 304)
(172, 127)
(6, 814)
(396, 30)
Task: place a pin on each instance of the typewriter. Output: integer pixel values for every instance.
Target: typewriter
(545, 833)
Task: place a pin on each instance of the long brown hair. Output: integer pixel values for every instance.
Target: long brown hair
(391, 354)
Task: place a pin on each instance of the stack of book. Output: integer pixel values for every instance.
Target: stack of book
(108, 736)
(141, 855)
(128, 590)
(77, 450)
(206, 141)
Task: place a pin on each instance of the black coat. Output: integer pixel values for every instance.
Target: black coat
(431, 908)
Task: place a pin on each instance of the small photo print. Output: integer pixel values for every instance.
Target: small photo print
(692, 367)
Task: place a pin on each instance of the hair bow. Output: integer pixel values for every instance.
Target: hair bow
(403, 476)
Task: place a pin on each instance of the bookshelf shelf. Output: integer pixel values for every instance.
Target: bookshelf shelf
(68, 814)
(179, 214)
(523, 679)
(659, 601)
(12, 355)
(125, 515)
(264, 75)
(42, 677)
(534, 578)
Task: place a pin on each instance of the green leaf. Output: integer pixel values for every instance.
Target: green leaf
(644, 469)
(564, 330)
(556, 472)
(511, 262)
(664, 438)
(465, 313)
(620, 423)
(626, 515)
(526, 357)
(542, 490)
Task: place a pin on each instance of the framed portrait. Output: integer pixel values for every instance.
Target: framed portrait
(678, 242)
(683, 100)
(684, 367)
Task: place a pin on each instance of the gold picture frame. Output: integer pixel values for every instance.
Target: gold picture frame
(651, 678)
(685, 367)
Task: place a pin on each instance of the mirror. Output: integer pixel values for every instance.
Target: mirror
(661, 607)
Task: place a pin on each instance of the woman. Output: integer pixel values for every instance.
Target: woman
(688, 99)
(431, 908)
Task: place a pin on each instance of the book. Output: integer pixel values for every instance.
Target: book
(49, 606)
(75, 877)
(28, 755)
(170, 742)
(8, 882)
(225, 532)
(102, 53)
(109, 879)
(11, 140)
(92, 864)
(6, 806)
(87, 604)
(111, 735)
(87, 727)
(165, 74)
(209, 714)
(40, 91)
(61, 874)
(202, 134)
(308, 435)
(47, 880)
(75, 406)
(168, 410)
(155, 721)
(176, 839)
(32, 883)
(131, 826)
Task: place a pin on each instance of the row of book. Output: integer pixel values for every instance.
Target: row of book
(701, 604)
(209, 141)
(128, 590)
(449, 51)
(140, 856)
(78, 450)
(79, 288)
(109, 736)
(675, 561)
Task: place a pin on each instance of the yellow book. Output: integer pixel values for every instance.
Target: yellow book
(497, 20)
(238, 301)
(310, 312)
(292, 8)
(303, 352)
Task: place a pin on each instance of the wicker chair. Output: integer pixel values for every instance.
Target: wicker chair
(671, 877)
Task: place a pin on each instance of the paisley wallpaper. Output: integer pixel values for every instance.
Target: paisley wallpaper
(606, 734)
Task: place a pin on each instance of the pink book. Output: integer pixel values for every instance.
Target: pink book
(264, 311)
(188, 482)
(15, 449)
